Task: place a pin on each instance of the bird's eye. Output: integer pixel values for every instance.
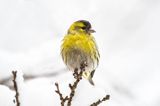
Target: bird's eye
(83, 28)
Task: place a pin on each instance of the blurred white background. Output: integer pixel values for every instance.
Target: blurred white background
(127, 34)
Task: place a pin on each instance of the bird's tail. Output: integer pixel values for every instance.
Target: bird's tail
(88, 75)
(91, 81)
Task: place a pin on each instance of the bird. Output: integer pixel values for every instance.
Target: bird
(78, 46)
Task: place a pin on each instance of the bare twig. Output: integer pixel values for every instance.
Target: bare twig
(15, 88)
(63, 100)
(78, 76)
(100, 101)
(72, 87)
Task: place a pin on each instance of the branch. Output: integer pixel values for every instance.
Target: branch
(16, 88)
(60, 95)
(78, 76)
(100, 101)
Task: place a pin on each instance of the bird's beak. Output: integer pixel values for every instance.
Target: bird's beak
(91, 31)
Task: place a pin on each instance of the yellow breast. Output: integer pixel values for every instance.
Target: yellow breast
(85, 43)
(82, 42)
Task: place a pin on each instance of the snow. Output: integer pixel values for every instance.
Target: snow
(127, 34)
(7, 96)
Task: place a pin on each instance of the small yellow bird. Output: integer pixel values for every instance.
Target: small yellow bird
(79, 46)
